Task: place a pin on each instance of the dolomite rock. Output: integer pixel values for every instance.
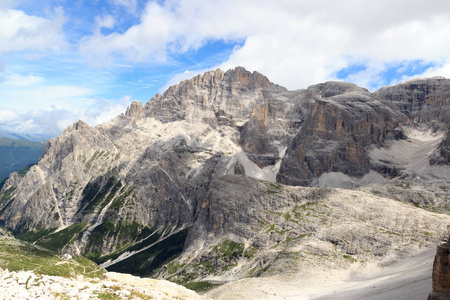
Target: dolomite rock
(27, 285)
(422, 100)
(441, 272)
(343, 122)
(135, 110)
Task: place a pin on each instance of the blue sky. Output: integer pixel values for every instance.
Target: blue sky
(64, 60)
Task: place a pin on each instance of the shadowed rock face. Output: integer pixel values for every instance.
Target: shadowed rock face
(422, 100)
(441, 272)
(442, 154)
(344, 120)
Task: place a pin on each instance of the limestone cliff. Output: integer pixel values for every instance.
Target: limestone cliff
(343, 122)
(441, 272)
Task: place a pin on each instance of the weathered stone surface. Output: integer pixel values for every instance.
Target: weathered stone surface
(441, 272)
(272, 228)
(422, 100)
(442, 154)
(135, 110)
(343, 122)
(28, 285)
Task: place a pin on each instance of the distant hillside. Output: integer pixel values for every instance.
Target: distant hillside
(38, 137)
(17, 154)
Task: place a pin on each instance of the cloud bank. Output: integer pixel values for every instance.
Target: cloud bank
(62, 59)
(295, 43)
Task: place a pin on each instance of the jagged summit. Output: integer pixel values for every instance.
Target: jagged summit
(207, 171)
(334, 88)
(135, 110)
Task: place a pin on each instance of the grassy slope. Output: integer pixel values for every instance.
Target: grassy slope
(17, 154)
(17, 255)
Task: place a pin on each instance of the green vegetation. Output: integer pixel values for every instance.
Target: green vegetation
(108, 296)
(18, 255)
(229, 249)
(97, 154)
(349, 258)
(123, 234)
(94, 194)
(127, 233)
(119, 201)
(32, 235)
(7, 195)
(201, 286)
(18, 154)
(146, 262)
(57, 240)
(273, 188)
(273, 229)
(2, 182)
(239, 169)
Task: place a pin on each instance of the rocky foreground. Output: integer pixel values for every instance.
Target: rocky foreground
(28, 285)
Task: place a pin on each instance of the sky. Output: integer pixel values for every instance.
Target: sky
(65, 60)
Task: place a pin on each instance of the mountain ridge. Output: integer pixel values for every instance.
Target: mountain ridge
(152, 177)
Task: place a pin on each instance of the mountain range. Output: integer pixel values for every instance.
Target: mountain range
(228, 175)
(17, 154)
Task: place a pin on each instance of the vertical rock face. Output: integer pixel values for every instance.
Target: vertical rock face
(135, 110)
(343, 122)
(421, 100)
(424, 101)
(441, 272)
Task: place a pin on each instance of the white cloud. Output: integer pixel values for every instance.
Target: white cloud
(130, 5)
(107, 21)
(52, 122)
(7, 4)
(7, 115)
(20, 32)
(46, 97)
(104, 110)
(21, 80)
(295, 43)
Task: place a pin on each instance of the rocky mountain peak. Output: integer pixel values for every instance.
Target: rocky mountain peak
(422, 100)
(242, 76)
(135, 110)
(334, 88)
(78, 126)
(229, 96)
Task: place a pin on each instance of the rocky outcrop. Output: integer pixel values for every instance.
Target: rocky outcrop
(28, 285)
(237, 98)
(135, 110)
(343, 122)
(441, 156)
(422, 100)
(441, 272)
